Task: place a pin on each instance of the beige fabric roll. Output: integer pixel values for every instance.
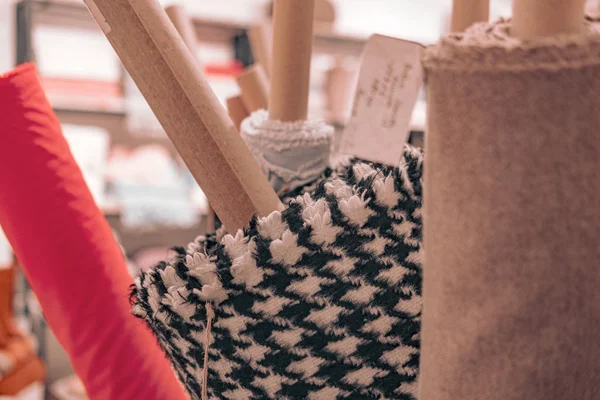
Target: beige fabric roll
(512, 218)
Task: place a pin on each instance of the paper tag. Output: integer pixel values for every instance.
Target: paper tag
(388, 86)
(97, 14)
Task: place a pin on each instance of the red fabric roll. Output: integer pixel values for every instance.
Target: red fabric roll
(69, 254)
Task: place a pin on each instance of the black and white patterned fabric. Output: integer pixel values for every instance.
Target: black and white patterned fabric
(321, 301)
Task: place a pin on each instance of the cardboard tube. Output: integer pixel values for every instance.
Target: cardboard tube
(535, 18)
(254, 84)
(167, 75)
(340, 84)
(292, 48)
(467, 12)
(211, 220)
(185, 27)
(237, 110)
(260, 37)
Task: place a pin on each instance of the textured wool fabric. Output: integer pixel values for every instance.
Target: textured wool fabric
(321, 301)
(291, 154)
(69, 254)
(511, 223)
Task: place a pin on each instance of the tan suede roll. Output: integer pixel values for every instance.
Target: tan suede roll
(512, 218)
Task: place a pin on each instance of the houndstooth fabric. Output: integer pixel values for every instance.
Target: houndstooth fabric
(321, 301)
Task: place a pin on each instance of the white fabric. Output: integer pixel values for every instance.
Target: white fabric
(291, 154)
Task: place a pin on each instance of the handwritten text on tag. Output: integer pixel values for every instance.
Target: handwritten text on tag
(388, 86)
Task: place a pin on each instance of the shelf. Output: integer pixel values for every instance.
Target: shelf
(114, 123)
(61, 12)
(59, 108)
(134, 240)
(324, 40)
(73, 107)
(75, 14)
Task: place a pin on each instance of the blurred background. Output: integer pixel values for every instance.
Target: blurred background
(145, 191)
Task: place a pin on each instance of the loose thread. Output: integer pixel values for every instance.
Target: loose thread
(210, 315)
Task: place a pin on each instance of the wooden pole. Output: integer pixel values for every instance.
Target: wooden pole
(260, 37)
(185, 27)
(237, 110)
(254, 84)
(167, 75)
(292, 48)
(535, 18)
(468, 12)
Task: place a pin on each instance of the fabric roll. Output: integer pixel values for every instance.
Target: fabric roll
(69, 254)
(321, 301)
(291, 154)
(511, 299)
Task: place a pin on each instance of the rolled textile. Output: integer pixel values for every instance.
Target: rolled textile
(320, 301)
(290, 154)
(69, 253)
(511, 222)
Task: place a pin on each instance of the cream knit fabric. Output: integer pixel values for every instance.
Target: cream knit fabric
(321, 301)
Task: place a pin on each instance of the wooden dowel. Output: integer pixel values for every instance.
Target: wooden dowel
(536, 18)
(211, 220)
(340, 85)
(254, 84)
(185, 27)
(467, 12)
(190, 113)
(292, 48)
(261, 42)
(237, 110)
